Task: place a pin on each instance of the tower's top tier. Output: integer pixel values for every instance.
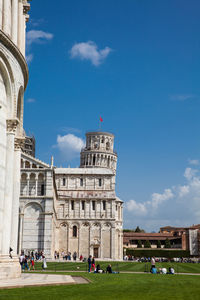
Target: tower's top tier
(99, 152)
(13, 18)
(99, 141)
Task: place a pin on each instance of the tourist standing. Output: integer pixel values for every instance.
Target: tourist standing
(44, 263)
(21, 260)
(93, 264)
(89, 263)
(153, 263)
(74, 256)
(32, 263)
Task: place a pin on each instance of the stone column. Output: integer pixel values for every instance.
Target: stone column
(101, 244)
(1, 14)
(36, 184)
(14, 20)
(7, 16)
(21, 224)
(7, 215)
(16, 194)
(28, 184)
(90, 238)
(112, 242)
(20, 25)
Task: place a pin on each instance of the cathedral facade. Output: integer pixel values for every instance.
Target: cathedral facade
(73, 209)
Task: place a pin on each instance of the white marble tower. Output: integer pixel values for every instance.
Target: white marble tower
(13, 81)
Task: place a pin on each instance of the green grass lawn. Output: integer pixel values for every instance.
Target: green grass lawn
(120, 266)
(115, 286)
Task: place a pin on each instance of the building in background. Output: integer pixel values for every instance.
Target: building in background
(29, 145)
(73, 209)
(182, 238)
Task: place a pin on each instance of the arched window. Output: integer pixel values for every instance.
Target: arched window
(74, 231)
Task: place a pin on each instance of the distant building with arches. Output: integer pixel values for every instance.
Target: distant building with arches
(73, 209)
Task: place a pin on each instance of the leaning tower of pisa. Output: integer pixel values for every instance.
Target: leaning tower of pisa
(13, 82)
(99, 151)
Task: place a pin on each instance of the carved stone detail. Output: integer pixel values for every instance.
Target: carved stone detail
(19, 143)
(12, 125)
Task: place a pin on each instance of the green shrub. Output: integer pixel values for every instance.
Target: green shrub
(147, 244)
(167, 244)
(158, 244)
(157, 253)
(139, 244)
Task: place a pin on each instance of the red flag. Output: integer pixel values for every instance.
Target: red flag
(101, 120)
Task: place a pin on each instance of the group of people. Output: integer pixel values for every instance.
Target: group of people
(28, 262)
(66, 256)
(154, 270)
(97, 269)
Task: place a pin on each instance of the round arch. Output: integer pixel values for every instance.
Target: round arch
(9, 107)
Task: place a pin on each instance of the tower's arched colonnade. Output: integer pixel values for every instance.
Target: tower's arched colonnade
(13, 81)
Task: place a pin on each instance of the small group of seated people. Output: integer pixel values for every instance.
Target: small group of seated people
(108, 270)
(162, 271)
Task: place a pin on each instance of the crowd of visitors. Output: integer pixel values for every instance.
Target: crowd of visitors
(28, 261)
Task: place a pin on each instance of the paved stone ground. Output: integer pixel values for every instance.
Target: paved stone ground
(28, 279)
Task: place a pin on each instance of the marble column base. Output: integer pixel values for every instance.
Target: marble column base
(9, 268)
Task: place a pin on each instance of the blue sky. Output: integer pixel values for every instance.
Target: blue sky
(137, 64)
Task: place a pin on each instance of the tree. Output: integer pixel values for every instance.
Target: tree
(139, 244)
(167, 243)
(147, 244)
(137, 229)
(158, 244)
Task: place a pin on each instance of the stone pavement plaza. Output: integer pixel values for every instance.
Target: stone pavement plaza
(27, 280)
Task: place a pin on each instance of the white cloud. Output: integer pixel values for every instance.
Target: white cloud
(183, 190)
(182, 97)
(36, 22)
(194, 162)
(136, 208)
(157, 198)
(89, 51)
(30, 100)
(176, 206)
(189, 173)
(37, 36)
(29, 58)
(69, 145)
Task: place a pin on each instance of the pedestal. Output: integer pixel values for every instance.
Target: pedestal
(9, 268)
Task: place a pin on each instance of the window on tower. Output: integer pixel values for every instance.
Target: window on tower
(93, 205)
(74, 231)
(83, 205)
(100, 182)
(42, 189)
(81, 182)
(64, 181)
(104, 205)
(72, 204)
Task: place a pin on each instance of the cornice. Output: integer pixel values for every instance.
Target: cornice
(7, 42)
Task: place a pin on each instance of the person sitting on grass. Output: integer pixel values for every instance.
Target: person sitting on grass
(110, 271)
(98, 269)
(153, 270)
(171, 271)
(163, 271)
